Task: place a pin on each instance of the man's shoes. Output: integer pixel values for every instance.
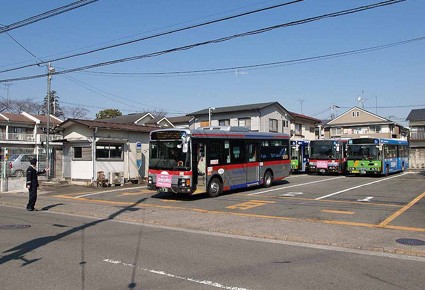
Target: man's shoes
(30, 209)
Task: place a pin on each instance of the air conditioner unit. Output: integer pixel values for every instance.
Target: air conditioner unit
(117, 178)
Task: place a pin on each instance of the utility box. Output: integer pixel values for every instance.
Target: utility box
(117, 178)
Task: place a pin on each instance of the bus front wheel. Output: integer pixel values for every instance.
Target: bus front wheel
(268, 179)
(215, 187)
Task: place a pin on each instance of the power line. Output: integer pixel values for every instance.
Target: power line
(156, 35)
(45, 15)
(263, 65)
(218, 40)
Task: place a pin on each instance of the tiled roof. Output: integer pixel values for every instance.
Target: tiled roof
(416, 115)
(180, 119)
(301, 116)
(19, 118)
(108, 125)
(124, 119)
(250, 107)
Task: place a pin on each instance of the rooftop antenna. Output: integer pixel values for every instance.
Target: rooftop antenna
(301, 102)
(333, 109)
(361, 101)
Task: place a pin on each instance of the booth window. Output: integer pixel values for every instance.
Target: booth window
(109, 151)
(78, 152)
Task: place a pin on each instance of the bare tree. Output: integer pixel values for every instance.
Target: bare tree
(75, 112)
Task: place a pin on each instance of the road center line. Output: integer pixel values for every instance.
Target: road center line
(159, 272)
(295, 185)
(358, 186)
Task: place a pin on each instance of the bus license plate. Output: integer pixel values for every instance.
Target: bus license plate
(163, 189)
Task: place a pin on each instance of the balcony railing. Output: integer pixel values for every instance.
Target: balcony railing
(24, 137)
(417, 135)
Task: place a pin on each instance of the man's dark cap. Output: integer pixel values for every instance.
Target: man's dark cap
(33, 161)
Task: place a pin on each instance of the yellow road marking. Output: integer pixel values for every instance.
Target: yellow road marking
(402, 210)
(250, 204)
(170, 200)
(337, 211)
(328, 200)
(344, 223)
(129, 193)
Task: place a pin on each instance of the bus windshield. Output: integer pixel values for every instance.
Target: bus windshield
(323, 150)
(294, 152)
(362, 152)
(168, 155)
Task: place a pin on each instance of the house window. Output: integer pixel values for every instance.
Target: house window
(311, 129)
(273, 125)
(78, 152)
(285, 124)
(109, 151)
(224, 122)
(245, 122)
(298, 129)
(336, 131)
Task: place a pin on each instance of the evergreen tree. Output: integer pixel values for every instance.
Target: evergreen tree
(108, 113)
(55, 108)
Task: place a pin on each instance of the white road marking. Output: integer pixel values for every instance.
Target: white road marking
(159, 272)
(106, 191)
(358, 186)
(295, 185)
(366, 199)
(291, 194)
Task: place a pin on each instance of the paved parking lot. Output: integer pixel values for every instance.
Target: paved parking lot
(394, 202)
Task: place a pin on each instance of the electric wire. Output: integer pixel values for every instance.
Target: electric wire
(156, 35)
(218, 40)
(45, 15)
(262, 65)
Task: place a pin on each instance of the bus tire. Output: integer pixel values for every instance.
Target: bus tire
(268, 179)
(215, 187)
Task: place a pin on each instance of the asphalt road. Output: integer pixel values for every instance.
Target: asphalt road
(50, 250)
(394, 202)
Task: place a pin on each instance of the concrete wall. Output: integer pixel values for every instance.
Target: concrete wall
(417, 158)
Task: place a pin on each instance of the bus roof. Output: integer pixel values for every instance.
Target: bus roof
(220, 133)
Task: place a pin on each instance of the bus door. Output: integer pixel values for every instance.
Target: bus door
(252, 165)
(199, 168)
(237, 173)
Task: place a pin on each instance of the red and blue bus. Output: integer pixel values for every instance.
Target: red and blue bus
(214, 160)
(328, 156)
(377, 156)
(299, 155)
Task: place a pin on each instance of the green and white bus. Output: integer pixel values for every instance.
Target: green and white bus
(377, 156)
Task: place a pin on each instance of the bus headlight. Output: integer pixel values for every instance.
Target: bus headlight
(150, 180)
(184, 182)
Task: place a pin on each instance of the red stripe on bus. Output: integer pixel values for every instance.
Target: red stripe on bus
(170, 172)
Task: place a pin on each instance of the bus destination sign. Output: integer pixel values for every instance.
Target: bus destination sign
(166, 135)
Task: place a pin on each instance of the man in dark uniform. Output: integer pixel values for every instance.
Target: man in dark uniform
(32, 183)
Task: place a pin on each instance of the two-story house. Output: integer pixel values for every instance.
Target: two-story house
(358, 122)
(261, 117)
(416, 120)
(27, 134)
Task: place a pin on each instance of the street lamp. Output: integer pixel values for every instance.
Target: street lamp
(209, 115)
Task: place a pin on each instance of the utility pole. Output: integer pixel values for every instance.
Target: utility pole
(7, 85)
(50, 72)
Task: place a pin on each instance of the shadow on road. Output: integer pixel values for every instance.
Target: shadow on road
(19, 252)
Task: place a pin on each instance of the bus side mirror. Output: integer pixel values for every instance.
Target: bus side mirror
(185, 147)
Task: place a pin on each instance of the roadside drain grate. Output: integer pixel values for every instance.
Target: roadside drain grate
(411, 242)
(13, 227)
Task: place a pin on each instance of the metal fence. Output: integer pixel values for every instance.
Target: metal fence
(17, 160)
